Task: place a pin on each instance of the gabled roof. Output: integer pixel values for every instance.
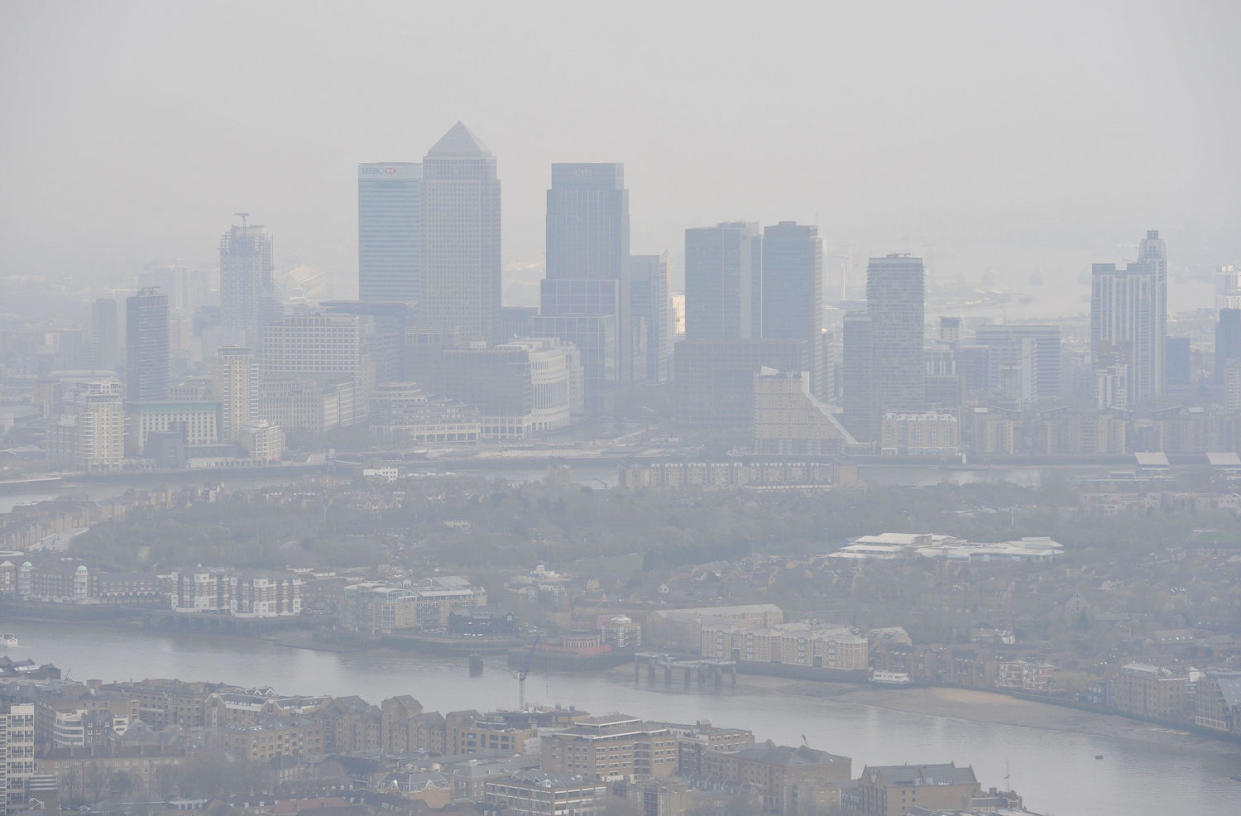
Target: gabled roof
(459, 141)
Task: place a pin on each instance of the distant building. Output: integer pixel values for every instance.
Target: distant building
(588, 261)
(1227, 341)
(790, 421)
(106, 333)
(198, 423)
(1150, 691)
(651, 317)
(247, 285)
(926, 433)
(224, 592)
(538, 793)
(146, 346)
(235, 385)
(1128, 319)
(460, 221)
(892, 790)
(1029, 355)
(617, 745)
(262, 441)
(723, 283)
(792, 293)
(714, 384)
(389, 231)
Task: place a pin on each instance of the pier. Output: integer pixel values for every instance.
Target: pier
(699, 672)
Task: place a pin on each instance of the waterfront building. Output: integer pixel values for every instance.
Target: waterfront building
(460, 222)
(226, 592)
(1150, 691)
(792, 644)
(389, 231)
(196, 423)
(924, 433)
(146, 346)
(613, 746)
(892, 790)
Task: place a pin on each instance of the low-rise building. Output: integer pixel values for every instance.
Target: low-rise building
(613, 747)
(791, 780)
(538, 793)
(894, 790)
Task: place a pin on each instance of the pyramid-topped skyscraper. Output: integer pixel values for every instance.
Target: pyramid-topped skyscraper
(461, 238)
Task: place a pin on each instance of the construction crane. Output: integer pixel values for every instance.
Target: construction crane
(524, 673)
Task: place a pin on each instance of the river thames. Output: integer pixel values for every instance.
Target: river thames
(1144, 770)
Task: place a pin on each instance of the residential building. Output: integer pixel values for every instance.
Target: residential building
(262, 441)
(894, 790)
(146, 346)
(1128, 320)
(389, 231)
(1217, 702)
(790, 780)
(197, 423)
(790, 421)
(235, 386)
(538, 793)
(224, 592)
(925, 433)
(792, 644)
(17, 760)
(1150, 691)
(460, 223)
(615, 746)
(890, 373)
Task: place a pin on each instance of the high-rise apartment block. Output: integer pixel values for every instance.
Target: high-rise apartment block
(146, 341)
(887, 370)
(1128, 321)
(389, 231)
(460, 273)
(235, 385)
(247, 284)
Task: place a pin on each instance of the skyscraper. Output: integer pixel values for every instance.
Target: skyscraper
(1227, 341)
(1128, 320)
(247, 286)
(719, 281)
(235, 385)
(105, 333)
(887, 366)
(651, 317)
(792, 293)
(1154, 253)
(461, 276)
(389, 231)
(587, 266)
(146, 341)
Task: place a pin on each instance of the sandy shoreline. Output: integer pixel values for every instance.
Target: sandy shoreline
(987, 707)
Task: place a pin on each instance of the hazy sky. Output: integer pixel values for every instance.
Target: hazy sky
(132, 131)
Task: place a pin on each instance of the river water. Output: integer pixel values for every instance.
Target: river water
(1143, 771)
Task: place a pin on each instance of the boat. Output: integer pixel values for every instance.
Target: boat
(890, 678)
(9, 640)
(1098, 756)
(476, 664)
